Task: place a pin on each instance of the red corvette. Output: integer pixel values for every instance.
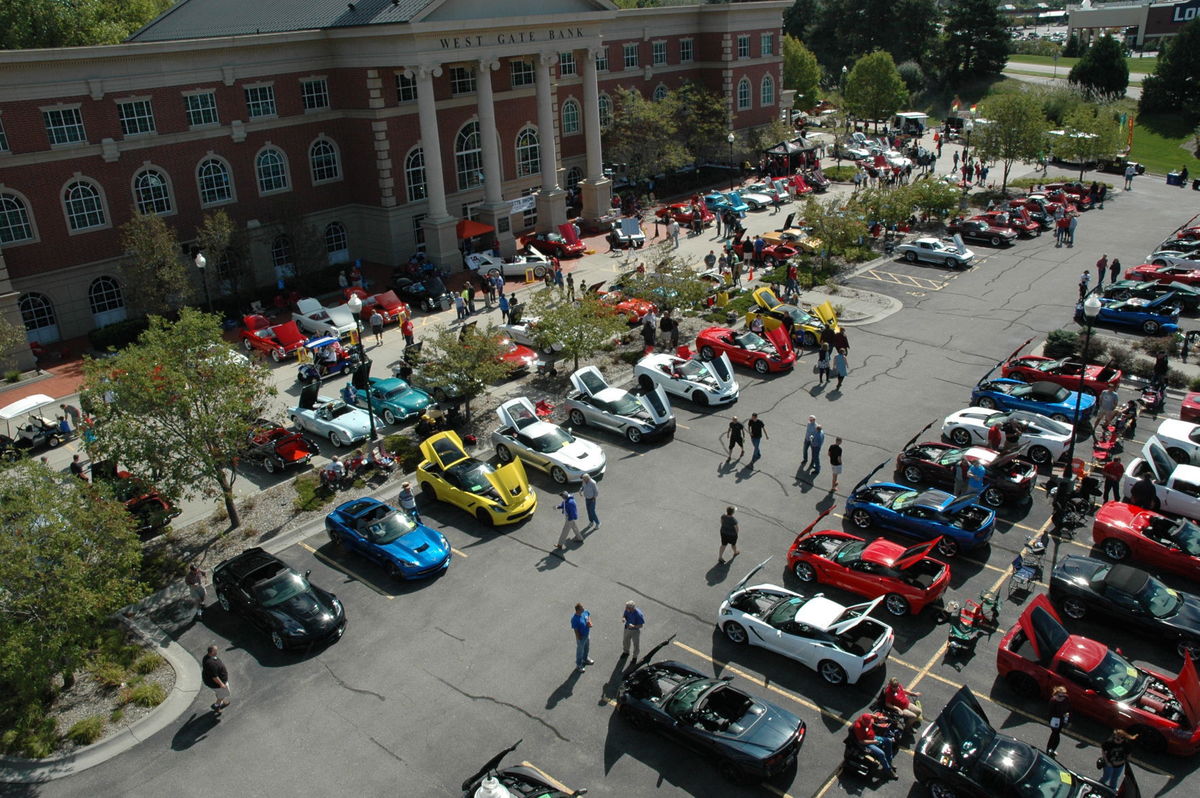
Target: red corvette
(1076, 192)
(1190, 409)
(1149, 273)
(632, 308)
(388, 304)
(908, 578)
(763, 354)
(1062, 371)
(280, 341)
(682, 213)
(1127, 531)
(562, 244)
(150, 509)
(1038, 654)
(1018, 222)
(772, 253)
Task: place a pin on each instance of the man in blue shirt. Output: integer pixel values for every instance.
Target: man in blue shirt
(634, 621)
(581, 624)
(570, 511)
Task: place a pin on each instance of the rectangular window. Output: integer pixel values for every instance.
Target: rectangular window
(743, 50)
(685, 51)
(766, 44)
(566, 64)
(64, 126)
(406, 88)
(602, 59)
(631, 55)
(522, 73)
(201, 108)
(660, 53)
(462, 80)
(529, 217)
(136, 117)
(419, 232)
(260, 101)
(315, 94)
(3, 137)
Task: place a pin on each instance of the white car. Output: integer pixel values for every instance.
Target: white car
(627, 232)
(1045, 440)
(705, 382)
(342, 424)
(639, 418)
(1177, 486)
(774, 192)
(516, 266)
(316, 319)
(840, 643)
(1182, 440)
(895, 159)
(756, 200)
(543, 445)
(1175, 257)
(951, 254)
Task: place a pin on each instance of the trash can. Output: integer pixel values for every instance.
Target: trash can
(1174, 179)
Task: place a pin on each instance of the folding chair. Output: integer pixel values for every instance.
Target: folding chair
(1026, 570)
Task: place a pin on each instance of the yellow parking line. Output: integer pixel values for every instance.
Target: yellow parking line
(776, 791)
(459, 553)
(555, 783)
(829, 782)
(339, 567)
(762, 682)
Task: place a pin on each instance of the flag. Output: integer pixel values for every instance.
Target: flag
(973, 107)
(955, 105)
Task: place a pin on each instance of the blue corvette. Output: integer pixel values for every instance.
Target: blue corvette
(1151, 316)
(923, 514)
(388, 537)
(1042, 397)
(730, 200)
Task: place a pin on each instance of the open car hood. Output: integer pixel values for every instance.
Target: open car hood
(1187, 690)
(960, 502)
(858, 612)
(914, 554)
(288, 334)
(1007, 458)
(656, 404)
(747, 578)
(803, 533)
(517, 413)
(779, 337)
(510, 482)
(827, 315)
(1155, 455)
(445, 449)
(721, 370)
(567, 231)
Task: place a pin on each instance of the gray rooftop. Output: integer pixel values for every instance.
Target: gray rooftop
(206, 19)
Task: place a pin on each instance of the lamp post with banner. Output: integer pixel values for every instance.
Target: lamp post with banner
(361, 378)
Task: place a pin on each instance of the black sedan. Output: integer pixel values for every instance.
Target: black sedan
(1129, 597)
(746, 737)
(517, 781)
(960, 755)
(278, 600)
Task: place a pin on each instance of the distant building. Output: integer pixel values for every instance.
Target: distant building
(1142, 24)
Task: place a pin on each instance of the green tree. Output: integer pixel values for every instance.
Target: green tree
(220, 239)
(801, 72)
(847, 29)
(1089, 133)
(701, 116)
(467, 358)
(799, 20)
(1101, 74)
(886, 205)
(12, 338)
(668, 282)
(1073, 48)
(576, 329)
(874, 89)
(837, 229)
(934, 198)
(975, 41)
(54, 23)
(1175, 85)
(1016, 131)
(68, 557)
(178, 404)
(644, 135)
(154, 263)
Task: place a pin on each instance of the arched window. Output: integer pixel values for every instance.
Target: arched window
(529, 153)
(570, 117)
(271, 170)
(660, 93)
(37, 312)
(468, 158)
(107, 301)
(605, 110)
(337, 243)
(151, 193)
(85, 209)
(213, 177)
(743, 94)
(574, 175)
(767, 94)
(323, 159)
(14, 220)
(281, 252)
(414, 175)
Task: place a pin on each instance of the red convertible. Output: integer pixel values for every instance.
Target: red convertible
(1078, 193)
(763, 354)
(150, 509)
(279, 341)
(632, 308)
(563, 244)
(772, 253)
(273, 448)
(1017, 221)
(1190, 409)
(1126, 531)
(908, 577)
(1062, 371)
(684, 213)
(1149, 273)
(1038, 654)
(390, 306)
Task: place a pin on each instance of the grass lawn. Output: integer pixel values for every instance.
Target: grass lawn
(1135, 64)
(1062, 75)
(1156, 143)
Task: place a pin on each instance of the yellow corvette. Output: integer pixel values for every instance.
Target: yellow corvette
(496, 496)
(806, 325)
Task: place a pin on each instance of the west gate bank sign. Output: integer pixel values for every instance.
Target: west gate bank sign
(512, 37)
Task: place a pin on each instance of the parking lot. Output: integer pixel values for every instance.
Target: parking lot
(434, 677)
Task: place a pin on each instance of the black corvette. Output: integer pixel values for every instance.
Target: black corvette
(278, 600)
(1127, 596)
(960, 755)
(517, 781)
(746, 737)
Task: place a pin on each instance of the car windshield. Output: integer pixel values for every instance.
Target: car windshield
(798, 316)
(692, 370)
(397, 391)
(626, 405)
(904, 499)
(785, 610)
(390, 528)
(338, 409)
(1158, 599)
(285, 585)
(849, 552)
(472, 475)
(685, 697)
(751, 340)
(1187, 535)
(552, 441)
(1116, 678)
(1045, 779)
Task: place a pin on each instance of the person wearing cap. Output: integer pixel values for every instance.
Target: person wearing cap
(634, 621)
(570, 511)
(408, 502)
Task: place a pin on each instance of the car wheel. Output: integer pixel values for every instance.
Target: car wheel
(1039, 454)
(1114, 549)
(484, 517)
(896, 604)
(395, 572)
(994, 241)
(276, 355)
(736, 633)
(558, 475)
(1022, 684)
(912, 473)
(1179, 455)
(804, 572)
(960, 436)
(831, 672)
(808, 339)
(277, 641)
(1074, 608)
(730, 771)
(700, 398)
(503, 453)
(910, 256)
(954, 263)
(947, 547)
(1189, 647)
(633, 434)
(939, 789)
(645, 383)
(577, 419)
(246, 344)
(1159, 262)
(1061, 417)
(539, 272)
(53, 441)
(388, 416)
(861, 518)
(336, 539)
(987, 402)
(269, 465)
(335, 438)
(223, 600)
(707, 353)
(992, 497)
(770, 261)
(1149, 739)
(762, 366)
(1150, 326)
(428, 491)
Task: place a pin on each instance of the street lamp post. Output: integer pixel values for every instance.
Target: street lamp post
(1091, 309)
(733, 167)
(355, 305)
(201, 262)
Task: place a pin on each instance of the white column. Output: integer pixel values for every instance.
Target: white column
(591, 118)
(545, 112)
(493, 176)
(431, 146)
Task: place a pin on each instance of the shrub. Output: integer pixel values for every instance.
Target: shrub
(27, 731)
(109, 674)
(12, 375)
(1194, 385)
(117, 715)
(1120, 356)
(310, 494)
(406, 450)
(1176, 378)
(148, 662)
(147, 694)
(841, 173)
(1142, 367)
(1159, 345)
(1061, 343)
(118, 335)
(86, 731)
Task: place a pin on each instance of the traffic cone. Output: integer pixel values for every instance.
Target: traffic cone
(750, 276)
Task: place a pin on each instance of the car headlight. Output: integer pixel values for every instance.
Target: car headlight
(293, 628)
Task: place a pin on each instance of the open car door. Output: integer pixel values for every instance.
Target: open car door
(444, 449)
(827, 315)
(964, 726)
(855, 613)
(1043, 629)
(914, 554)
(765, 298)
(747, 578)
(656, 404)
(517, 413)
(589, 381)
(722, 371)
(1156, 457)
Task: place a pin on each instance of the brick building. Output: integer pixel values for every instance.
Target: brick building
(381, 123)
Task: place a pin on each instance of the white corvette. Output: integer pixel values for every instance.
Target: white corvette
(840, 643)
(705, 382)
(1045, 440)
(543, 445)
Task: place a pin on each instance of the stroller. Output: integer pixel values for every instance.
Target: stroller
(1071, 509)
(1153, 398)
(970, 621)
